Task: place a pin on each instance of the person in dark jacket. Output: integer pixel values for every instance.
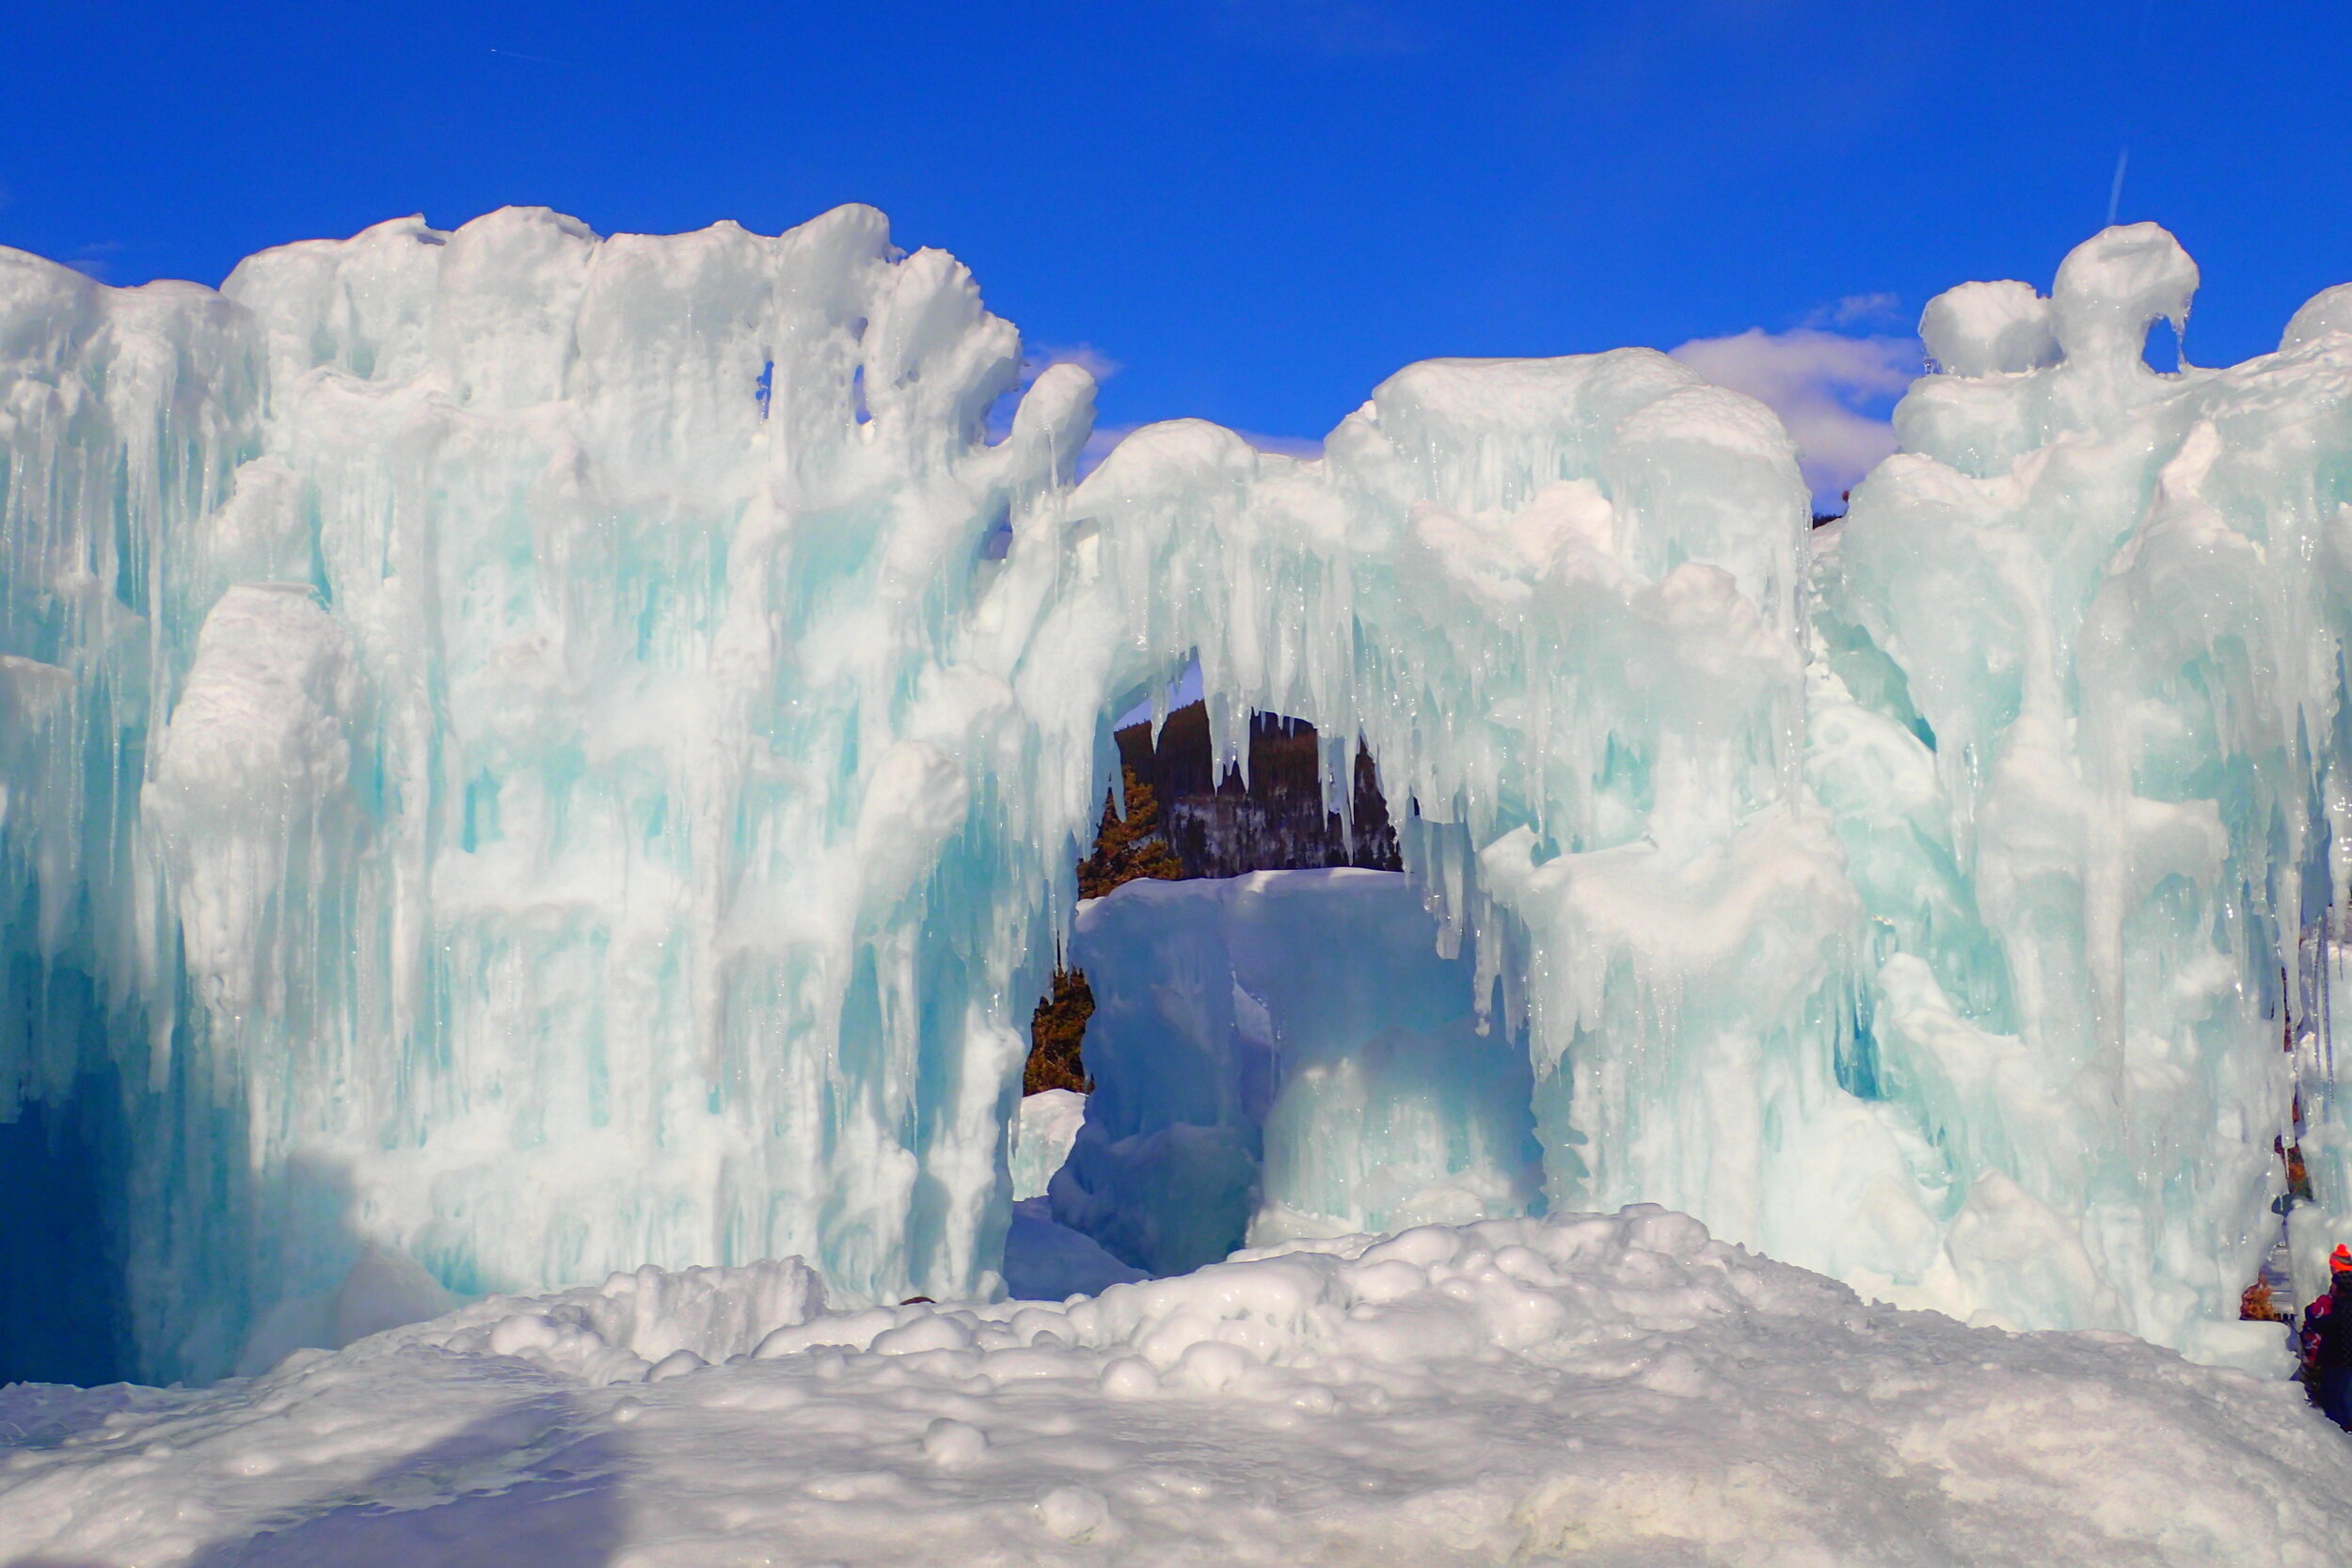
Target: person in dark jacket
(2328, 1342)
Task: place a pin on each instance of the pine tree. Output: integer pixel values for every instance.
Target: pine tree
(1057, 1032)
(1126, 849)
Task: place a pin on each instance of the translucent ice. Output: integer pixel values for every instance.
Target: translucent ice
(2081, 719)
(496, 756)
(530, 753)
(1041, 1133)
(1932, 911)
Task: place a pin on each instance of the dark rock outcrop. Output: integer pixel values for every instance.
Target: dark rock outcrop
(1218, 828)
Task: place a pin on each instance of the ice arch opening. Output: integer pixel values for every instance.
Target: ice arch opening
(536, 746)
(1284, 1054)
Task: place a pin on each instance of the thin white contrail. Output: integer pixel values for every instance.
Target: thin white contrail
(2115, 191)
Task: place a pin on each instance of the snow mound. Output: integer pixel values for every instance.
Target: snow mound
(635, 1325)
(1612, 1389)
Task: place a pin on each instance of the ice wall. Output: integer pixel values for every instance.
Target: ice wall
(531, 751)
(1039, 1138)
(1928, 899)
(1563, 601)
(492, 749)
(2081, 719)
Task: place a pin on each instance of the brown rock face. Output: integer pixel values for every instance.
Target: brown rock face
(1219, 828)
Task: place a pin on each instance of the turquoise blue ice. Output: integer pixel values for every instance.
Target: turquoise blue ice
(520, 754)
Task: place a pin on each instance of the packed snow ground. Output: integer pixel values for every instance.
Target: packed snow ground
(1591, 1389)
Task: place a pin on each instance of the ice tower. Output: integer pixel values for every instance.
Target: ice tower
(496, 758)
(546, 753)
(2081, 718)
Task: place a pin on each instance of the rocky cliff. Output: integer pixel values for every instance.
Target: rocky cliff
(1220, 827)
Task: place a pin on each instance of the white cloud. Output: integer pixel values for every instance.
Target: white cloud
(1828, 388)
(1085, 356)
(1858, 310)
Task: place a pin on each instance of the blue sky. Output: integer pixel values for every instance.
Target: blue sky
(1253, 210)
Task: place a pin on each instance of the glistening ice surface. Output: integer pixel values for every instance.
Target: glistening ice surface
(540, 754)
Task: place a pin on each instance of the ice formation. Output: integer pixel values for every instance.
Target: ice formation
(543, 754)
(506, 757)
(1048, 1260)
(1284, 1054)
(1042, 1130)
(1587, 1388)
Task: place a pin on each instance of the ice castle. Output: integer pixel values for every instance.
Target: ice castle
(534, 753)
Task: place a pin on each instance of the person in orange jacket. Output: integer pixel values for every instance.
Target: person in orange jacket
(2328, 1342)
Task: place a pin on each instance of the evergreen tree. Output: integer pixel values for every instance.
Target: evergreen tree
(1127, 848)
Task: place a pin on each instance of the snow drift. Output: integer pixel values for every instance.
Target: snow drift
(1593, 1388)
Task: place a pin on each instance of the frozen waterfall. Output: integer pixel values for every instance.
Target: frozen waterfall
(529, 752)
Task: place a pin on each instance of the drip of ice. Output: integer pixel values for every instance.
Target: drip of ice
(529, 752)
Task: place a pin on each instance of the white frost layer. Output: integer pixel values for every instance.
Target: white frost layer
(1589, 1389)
(1042, 1130)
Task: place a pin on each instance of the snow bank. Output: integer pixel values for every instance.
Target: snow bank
(1593, 1388)
(640, 1326)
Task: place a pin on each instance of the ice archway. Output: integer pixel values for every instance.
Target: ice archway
(539, 752)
